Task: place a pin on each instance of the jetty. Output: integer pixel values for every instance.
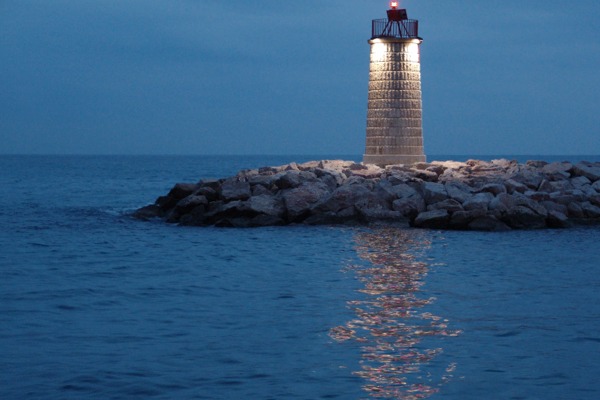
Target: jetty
(474, 195)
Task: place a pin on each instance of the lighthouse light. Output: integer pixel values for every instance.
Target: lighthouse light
(393, 5)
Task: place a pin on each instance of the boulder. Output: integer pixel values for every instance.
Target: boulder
(409, 207)
(458, 191)
(532, 205)
(294, 178)
(292, 167)
(579, 181)
(181, 190)
(210, 183)
(266, 180)
(331, 178)
(451, 175)
(575, 210)
(553, 206)
(521, 217)
(357, 180)
(513, 186)
(565, 198)
(493, 188)
(502, 201)
(268, 171)
(557, 170)
(426, 175)
(555, 186)
(436, 168)
(329, 181)
(267, 204)
(398, 177)
(386, 190)
(186, 206)
(149, 212)
(488, 223)
(245, 174)
(299, 201)
(360, 166)
(528, 177)
(500, 204)
(504, 164)
(178, 192)
(450, 165)
(484, 168)
(434, 192)
(462, 219)
(421, 166)
(588, 191)
(208, 192)
(233, 189)
(258, 190)
(166, 203)
(478, 201)
(578, 193)
(372, 201)
(348, 195)
(404, 191)
(368, 171)
(437, 219)
(557, 219)
(348, 212)
(589, 170)
(537, 196)
(219, 210)
(190, 202)
(449, 205)
(196, 217)
(536, 163)
(590, 210)
(335, 165)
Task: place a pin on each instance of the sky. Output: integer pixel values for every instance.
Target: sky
(291, 77)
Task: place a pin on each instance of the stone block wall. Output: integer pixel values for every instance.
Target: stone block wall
(394, 116)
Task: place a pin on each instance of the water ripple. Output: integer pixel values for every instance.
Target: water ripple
(397, 338)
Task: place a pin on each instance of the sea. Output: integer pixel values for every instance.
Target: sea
(95, 304)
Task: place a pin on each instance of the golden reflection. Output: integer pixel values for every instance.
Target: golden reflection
(392, 324)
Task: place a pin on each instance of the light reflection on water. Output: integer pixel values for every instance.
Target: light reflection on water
(396, 332)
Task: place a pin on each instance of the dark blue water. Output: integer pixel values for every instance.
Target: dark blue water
(96, 305)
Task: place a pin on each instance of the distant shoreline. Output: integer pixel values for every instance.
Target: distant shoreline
(521, 158)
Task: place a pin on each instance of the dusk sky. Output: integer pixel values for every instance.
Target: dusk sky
(290, 77)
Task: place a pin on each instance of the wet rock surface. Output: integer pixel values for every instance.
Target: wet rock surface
(474, 195)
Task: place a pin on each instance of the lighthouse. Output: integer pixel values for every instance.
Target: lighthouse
(394, 116)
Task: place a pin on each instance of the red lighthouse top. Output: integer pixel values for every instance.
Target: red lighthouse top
(395, 14)
(397, 25)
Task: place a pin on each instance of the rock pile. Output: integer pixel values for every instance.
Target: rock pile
(472, 195)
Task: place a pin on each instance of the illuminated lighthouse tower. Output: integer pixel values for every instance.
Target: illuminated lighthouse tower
(394, 119)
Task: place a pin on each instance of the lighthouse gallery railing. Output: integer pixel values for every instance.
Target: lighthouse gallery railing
(404, 29)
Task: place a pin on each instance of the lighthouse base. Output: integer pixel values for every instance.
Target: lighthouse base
(393, 159)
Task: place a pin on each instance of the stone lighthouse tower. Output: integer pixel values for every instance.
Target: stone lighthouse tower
(394, 118)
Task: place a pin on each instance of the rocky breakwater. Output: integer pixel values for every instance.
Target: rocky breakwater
(472, 195)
